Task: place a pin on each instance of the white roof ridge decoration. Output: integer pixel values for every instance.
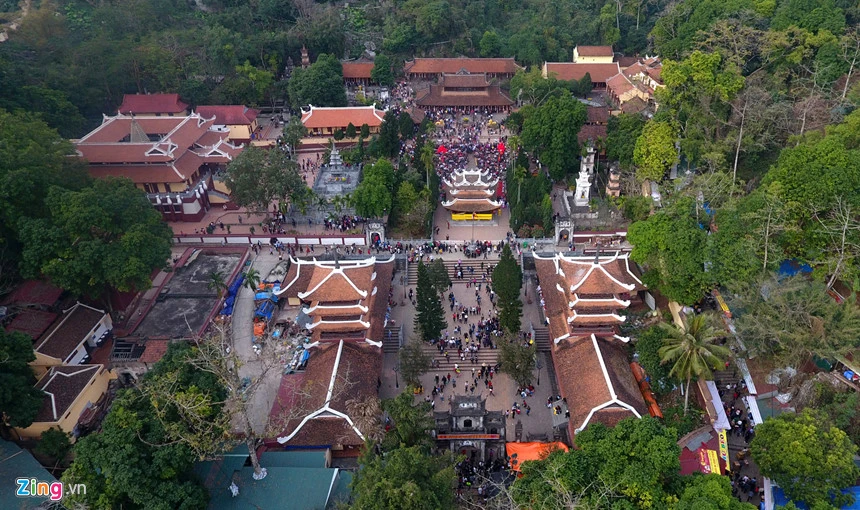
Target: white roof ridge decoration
(357, 305)
(53, 373)
(614, 396)
(619, 318)
(66, 314)
(334, 271)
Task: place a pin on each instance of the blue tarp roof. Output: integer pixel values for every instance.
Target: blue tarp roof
(265, 309)
(235, 286)
(793, 267)
(779, 499)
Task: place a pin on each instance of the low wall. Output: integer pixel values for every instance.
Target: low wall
(244, 239)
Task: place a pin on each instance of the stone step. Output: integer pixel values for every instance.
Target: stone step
(451, 266)
(542, 340)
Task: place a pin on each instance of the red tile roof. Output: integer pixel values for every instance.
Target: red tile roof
(151, 103)
(69, 331)
(595, 51)
(32, 323)
(471, 205)
(436, 95)
(154, 350)
(593, 372)
(476, 80)
(321, 117)
(230, 115)
(63, 385)
(357, 70)
(597, 115)
(591, 132)
(34, 292)
(569, 71)
(624, 62)
(454, 65)
(139, 174)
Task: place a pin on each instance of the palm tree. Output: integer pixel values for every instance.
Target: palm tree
(252, 279)
(366, 413)
(216, 282)
(427, 160)
(519, 176)
(692, 351)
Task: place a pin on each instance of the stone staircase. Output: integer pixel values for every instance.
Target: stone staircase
(451, 266)
(485, 355)
(391, 339)
(542, 340)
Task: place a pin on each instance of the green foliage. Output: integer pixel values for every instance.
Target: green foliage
(104, 236)
(373, 195)
(350, 130)
(622, 133)
(321, 84)
(684, 422)
(412, 423)
(709, 492)
(550, 134)
(633, 465)
(531, 194)
(655, 151)
(54, 443)
(792, 319)
(636, 207)
(406, 477)
(842, 408)
(388, 141)
(19, 400)
(671, 245)
(431, 315)
(811, 460)
(257, 177)
(414, 363)
(382, 73)
(439, 277)
(517, 359)
(490, 45)
(132, 462)
(508, 283)
(648, 344)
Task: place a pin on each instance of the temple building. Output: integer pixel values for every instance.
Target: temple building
(346, 299)
(432, 68)
(463, 90)
(600, 73)
(593, 55)
(172, 158)
(471, 195)
(632, 90)
(240, 120)
(357, 72)
(469, 429)
(324, 121)
(153, 105)
(581, 298)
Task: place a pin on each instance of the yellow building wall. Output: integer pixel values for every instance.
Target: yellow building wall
(42, 363)
(91, 394)
(593, 60)
(241, 132)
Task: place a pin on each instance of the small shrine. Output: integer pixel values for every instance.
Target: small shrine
(336, 178)
(469, 429)
(583, 185)
(471, 195)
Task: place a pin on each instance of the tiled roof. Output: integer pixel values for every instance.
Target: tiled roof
(231, 115)
(154, 350)
(379, 307)
(570, 71)
(635, 105)
(32, 323)
(612, 275)
(63, 385)
(624, 62)
(594, 373)
(471, 205)
(475, 80)
(139, 174)
(340, 372)
(454, 65)
(69, 331)
(619, 84)
(321, 117)
(591, 132)
(357, 70)
(594, 51)
(473, 193)
(346, 283)
(597, 115)
(151, 103)
(436, 95)
(34, 292)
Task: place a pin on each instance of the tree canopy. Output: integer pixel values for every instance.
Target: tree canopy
(550, 131)
(655, 151)
(321, 84)
(809, 458)
(373, 196)
(104, 236)
(508, 283)
(431, 315)
(19, 400)
(382, 72)
(257, 177)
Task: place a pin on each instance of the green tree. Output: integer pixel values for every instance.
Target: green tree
(655, 152)
(648, 344)
(632, 465)
(412, 423)
(382, 73)
(257, 177)
(792, 319)
(107, 236)
(426, 157)
(551, 134)
(54, 443)
(692, 351)
(709, 492)
(365, 131)
(622, 133)
(431, 315)
(350, 130)
(321, 84)
(216, 282)
(19, 400)
(294, 131)
(404, 478)
(389, 140)
(414, 363)
(672, 247)
(507, 283)
(490, 44)
(252, 279)
(405, 126)
(810, 459)
(373, 195)
(338, 134)
(439, 276)
(517, 358)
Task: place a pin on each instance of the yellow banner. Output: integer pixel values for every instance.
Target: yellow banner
(724, 449)
(709, 461)
(470, 216)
